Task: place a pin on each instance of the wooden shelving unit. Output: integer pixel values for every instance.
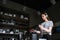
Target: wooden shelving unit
(12, 23)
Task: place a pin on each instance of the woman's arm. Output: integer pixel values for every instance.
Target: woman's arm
(35, 31)
(45, 29)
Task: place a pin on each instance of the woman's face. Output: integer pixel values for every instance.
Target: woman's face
(43, 16)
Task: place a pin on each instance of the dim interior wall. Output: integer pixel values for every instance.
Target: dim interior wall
(57, 23)
(34, 19)
(54, 12)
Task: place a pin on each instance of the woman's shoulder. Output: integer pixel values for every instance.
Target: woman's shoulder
(43, 23)
(50, 21)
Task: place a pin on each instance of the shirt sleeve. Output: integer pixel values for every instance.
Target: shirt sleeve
(51, 24)
(42, 24)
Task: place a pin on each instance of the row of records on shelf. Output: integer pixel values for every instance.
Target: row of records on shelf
(11, 31)
(14, 15)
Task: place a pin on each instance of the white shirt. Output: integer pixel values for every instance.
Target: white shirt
(47, 25)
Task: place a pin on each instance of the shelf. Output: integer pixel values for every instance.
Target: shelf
(12, 23)
(12, 26)
(15, 18)
(2, 35)
(19, 21)
(7, 34)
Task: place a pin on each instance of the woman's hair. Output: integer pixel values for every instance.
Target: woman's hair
(45, 15)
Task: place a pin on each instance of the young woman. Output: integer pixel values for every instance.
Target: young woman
(45, 27)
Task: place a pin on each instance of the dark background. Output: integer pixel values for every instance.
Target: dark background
(35, 4)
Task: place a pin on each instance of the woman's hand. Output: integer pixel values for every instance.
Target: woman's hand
(35, 31)
(32, 30)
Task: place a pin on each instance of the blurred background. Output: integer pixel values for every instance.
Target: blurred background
(17, 17)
